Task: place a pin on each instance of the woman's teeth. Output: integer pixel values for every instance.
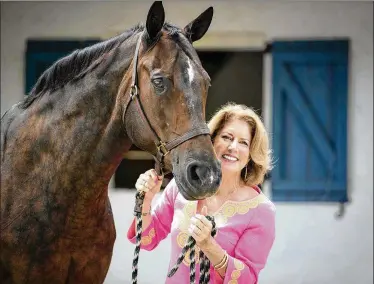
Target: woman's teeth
(230, 158)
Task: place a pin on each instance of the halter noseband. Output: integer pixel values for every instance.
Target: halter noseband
(163, 148)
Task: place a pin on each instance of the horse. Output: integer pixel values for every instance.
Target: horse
(62, 143)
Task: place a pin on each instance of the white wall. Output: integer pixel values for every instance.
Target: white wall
(311, 246)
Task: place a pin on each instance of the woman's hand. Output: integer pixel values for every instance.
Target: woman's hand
(201, 228)
(150, 183)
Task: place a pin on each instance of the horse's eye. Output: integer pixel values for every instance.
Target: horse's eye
(159, 85)
(158, 82)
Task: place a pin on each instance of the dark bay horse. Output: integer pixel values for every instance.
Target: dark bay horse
(61, 145)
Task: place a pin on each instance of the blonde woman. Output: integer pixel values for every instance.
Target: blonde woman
(245, 218)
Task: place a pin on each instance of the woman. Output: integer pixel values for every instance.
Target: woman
(245, 218)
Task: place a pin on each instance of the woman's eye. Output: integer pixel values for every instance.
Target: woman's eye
(244, 143)
(226, 137)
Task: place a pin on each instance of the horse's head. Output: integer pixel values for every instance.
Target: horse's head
(170, 88)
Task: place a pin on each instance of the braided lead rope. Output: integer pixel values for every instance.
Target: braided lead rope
(204, 261)
(204, 268)
(192, 265)
(139, 197)
(190, 245)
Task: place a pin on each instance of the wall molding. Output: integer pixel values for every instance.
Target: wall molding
(223, 40)
(232, 40)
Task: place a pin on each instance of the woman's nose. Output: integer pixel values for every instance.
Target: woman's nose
(233, 144)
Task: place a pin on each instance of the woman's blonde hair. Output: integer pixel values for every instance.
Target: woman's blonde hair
(260, 160)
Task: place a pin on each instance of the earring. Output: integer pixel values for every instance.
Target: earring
(246, 172)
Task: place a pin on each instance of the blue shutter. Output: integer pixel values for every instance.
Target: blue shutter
(310, 87)
(41, 54)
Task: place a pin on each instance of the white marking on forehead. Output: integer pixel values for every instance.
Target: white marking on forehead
(190, 70)
(211, 178)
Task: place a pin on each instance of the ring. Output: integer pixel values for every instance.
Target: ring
(197, 230)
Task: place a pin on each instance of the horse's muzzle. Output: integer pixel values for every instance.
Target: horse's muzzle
(203, 180)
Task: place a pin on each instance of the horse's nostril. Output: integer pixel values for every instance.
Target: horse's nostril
(198, 174)
(202, 172)
(203, 178)
(193, 173)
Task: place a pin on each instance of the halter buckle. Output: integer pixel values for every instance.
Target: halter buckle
(133, 91)
(162, 148)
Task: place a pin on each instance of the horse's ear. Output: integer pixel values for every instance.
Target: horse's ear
(155, 19)
(198, 27)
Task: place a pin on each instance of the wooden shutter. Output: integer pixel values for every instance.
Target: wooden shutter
(310, 90)
(41, 54)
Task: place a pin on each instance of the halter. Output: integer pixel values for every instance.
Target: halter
(163, 148)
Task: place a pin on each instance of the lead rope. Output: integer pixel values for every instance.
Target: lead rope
(204, 261)
(139, 197)
(190, 246)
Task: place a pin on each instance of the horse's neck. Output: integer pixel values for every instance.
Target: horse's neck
(105, 140)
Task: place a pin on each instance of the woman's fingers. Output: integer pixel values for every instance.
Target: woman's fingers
(195, 230)
(148, 182)
(140, 186)
(199, 227)
(203, 220)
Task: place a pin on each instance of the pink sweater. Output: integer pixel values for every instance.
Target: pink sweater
(245, 229)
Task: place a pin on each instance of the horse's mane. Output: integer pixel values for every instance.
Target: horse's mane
(80, 62)
(74, 66)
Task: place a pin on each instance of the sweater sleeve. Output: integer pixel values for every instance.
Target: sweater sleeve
(162, 217)
(252, 250)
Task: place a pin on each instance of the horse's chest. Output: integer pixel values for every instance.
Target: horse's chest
(43, 224)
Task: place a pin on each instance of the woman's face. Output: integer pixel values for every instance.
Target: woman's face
(232, 146)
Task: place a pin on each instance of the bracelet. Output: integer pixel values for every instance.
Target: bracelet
(146, 213)
(222, 263)
(138, 210)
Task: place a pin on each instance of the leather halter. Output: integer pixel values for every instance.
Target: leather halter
(163, 148)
